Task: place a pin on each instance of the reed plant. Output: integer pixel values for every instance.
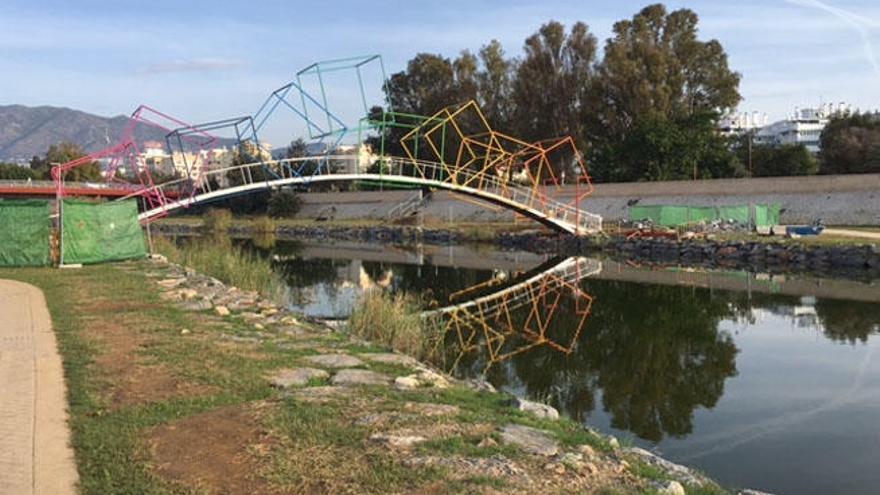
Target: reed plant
(218, 257)
(217, 220)
(391, 320)
(263, 224)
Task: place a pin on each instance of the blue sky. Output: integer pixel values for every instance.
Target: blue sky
(201, 61)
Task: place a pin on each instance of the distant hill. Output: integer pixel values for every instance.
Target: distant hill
(28, 131)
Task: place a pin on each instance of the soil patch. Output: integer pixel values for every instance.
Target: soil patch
(220, 451)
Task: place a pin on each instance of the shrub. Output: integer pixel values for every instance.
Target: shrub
(217, 220)
(284, 204)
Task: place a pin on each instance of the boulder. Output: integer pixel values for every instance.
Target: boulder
(334, 360)
(397, 441)
(406, 382)
(535, 408)
(350, 377)
(295, 377)
(677, 471)
(390, 358)
(670, 487)
(531, 440)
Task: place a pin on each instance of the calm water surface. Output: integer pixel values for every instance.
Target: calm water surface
(769, 383)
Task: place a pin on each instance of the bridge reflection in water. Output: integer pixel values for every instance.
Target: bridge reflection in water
(502, 318)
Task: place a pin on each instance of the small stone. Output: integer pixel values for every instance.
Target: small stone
(296, 377)
(359, 377)
(335, 360)
(670, 488)
(588, 468)
(536, 408)
(481, 385)
(222, 310)
(171, 283)
(532, 440)
(196, 305)
(259, 326)
(433, 379)
(171, 295)
(250, 315)
(397, 441)
(187, 294)
(613, 442)
(487, 442)
(406, 382)
(555, 467)
(587, 451)
(185, 331)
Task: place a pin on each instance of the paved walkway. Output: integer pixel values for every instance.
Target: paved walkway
(35, 452)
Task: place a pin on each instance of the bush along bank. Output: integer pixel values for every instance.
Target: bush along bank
(852, 261)
(462, 434)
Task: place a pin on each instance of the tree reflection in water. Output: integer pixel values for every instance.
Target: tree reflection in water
(655, 352)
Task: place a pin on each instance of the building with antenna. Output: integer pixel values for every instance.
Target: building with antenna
(804, 126)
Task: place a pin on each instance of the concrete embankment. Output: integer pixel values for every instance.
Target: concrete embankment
(836, 199)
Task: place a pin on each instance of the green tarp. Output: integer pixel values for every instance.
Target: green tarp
(677, 215)
(96, 232)
(24, 233)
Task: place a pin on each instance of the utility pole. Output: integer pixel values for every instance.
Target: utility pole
(750, 154)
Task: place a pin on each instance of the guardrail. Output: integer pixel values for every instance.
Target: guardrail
(430, 174)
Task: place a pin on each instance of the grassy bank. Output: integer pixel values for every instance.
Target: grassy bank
(164, 400)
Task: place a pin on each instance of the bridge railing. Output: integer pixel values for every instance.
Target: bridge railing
(428, 173)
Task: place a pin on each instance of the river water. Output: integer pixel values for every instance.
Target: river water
(760, 381)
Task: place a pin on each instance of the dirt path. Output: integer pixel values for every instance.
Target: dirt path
(35, 452)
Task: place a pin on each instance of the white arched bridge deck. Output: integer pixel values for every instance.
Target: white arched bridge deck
(528, 202)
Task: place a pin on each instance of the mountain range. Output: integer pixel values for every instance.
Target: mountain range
(28, 131)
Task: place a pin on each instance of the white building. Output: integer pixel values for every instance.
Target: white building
(734, 124)
(155, 157)
(803, 127)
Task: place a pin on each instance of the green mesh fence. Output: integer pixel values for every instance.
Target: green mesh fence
(24, 233)
(766, 215)
(96, 232)
(677, 215)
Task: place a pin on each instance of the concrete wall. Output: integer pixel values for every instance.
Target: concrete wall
(836, 199)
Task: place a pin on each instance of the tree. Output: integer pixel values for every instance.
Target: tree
(657, 148)
(65, 152)
(552, 81)
(495, 85)
(655, 70)
(432, 82)
(297, 148)
(775, 160)
(851, 145)
(11, 171)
